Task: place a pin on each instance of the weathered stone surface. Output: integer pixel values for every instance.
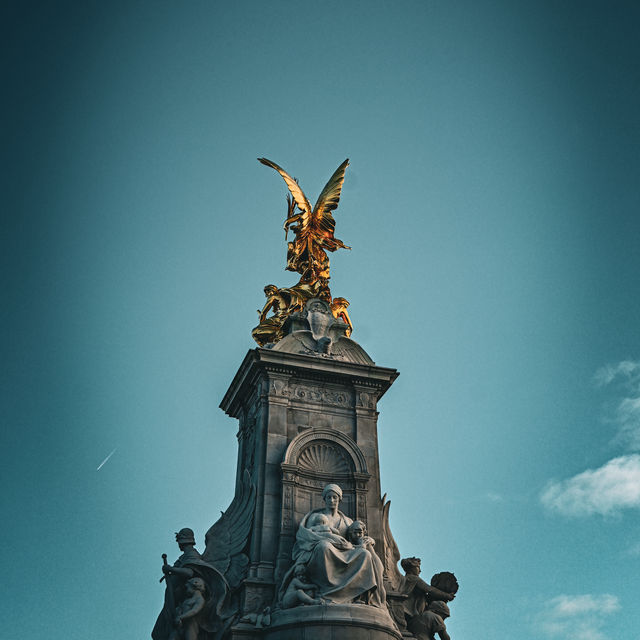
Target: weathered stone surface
(317, 333)
(335, 622)
(304, 421)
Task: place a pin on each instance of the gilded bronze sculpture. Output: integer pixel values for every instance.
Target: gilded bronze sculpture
(313, 231)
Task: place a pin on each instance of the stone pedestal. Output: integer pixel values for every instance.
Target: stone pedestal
(332, 622)
(305, 421)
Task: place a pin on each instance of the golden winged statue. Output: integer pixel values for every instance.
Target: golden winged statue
(313, 231)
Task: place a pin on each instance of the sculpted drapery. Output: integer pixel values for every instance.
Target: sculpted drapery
(339, 558)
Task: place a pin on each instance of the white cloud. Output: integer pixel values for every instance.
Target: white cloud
(492, 496)
(577, 617)
(607, 490)
(615, 485)
(567, 606)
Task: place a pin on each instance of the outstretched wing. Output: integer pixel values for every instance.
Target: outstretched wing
(391, 552)
(227, 538)
(322, 220)
(294, 187)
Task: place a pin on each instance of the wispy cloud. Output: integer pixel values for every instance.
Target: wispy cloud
(625, 376)
(606, 490)
(626, 369)
(577, 617)
(628, 420)
(492, 496)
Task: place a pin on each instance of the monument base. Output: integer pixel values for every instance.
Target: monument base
(325, 622)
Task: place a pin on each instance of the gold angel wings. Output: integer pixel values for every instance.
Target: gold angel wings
(313, 231)
(313, 228)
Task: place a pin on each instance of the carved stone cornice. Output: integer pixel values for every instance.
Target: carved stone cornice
(262, 363)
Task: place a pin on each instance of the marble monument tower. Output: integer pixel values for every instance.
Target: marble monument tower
(305, 549)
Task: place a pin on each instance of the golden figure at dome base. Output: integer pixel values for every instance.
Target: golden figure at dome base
(313, 231)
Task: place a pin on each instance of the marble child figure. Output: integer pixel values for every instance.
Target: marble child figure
(319, 523)
(187, 613)
(299, 590)
(357, 535)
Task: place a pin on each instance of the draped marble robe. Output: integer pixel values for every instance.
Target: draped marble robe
(341, 571)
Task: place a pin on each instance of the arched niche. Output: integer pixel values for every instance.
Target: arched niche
(313, 459)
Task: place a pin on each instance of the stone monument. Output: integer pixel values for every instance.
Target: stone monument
(305, 549)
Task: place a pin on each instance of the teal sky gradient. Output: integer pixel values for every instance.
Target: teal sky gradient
(492, 205)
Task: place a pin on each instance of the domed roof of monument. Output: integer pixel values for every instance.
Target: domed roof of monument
(315, 331)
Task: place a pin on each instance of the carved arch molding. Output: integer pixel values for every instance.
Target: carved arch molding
(313, 459)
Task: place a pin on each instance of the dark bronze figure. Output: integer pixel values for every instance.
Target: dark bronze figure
(180, 588)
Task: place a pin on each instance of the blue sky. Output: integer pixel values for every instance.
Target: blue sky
(492, 206)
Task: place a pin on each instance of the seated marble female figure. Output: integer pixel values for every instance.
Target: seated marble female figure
(342, 571)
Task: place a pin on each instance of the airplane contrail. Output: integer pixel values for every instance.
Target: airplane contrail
(105, 460)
